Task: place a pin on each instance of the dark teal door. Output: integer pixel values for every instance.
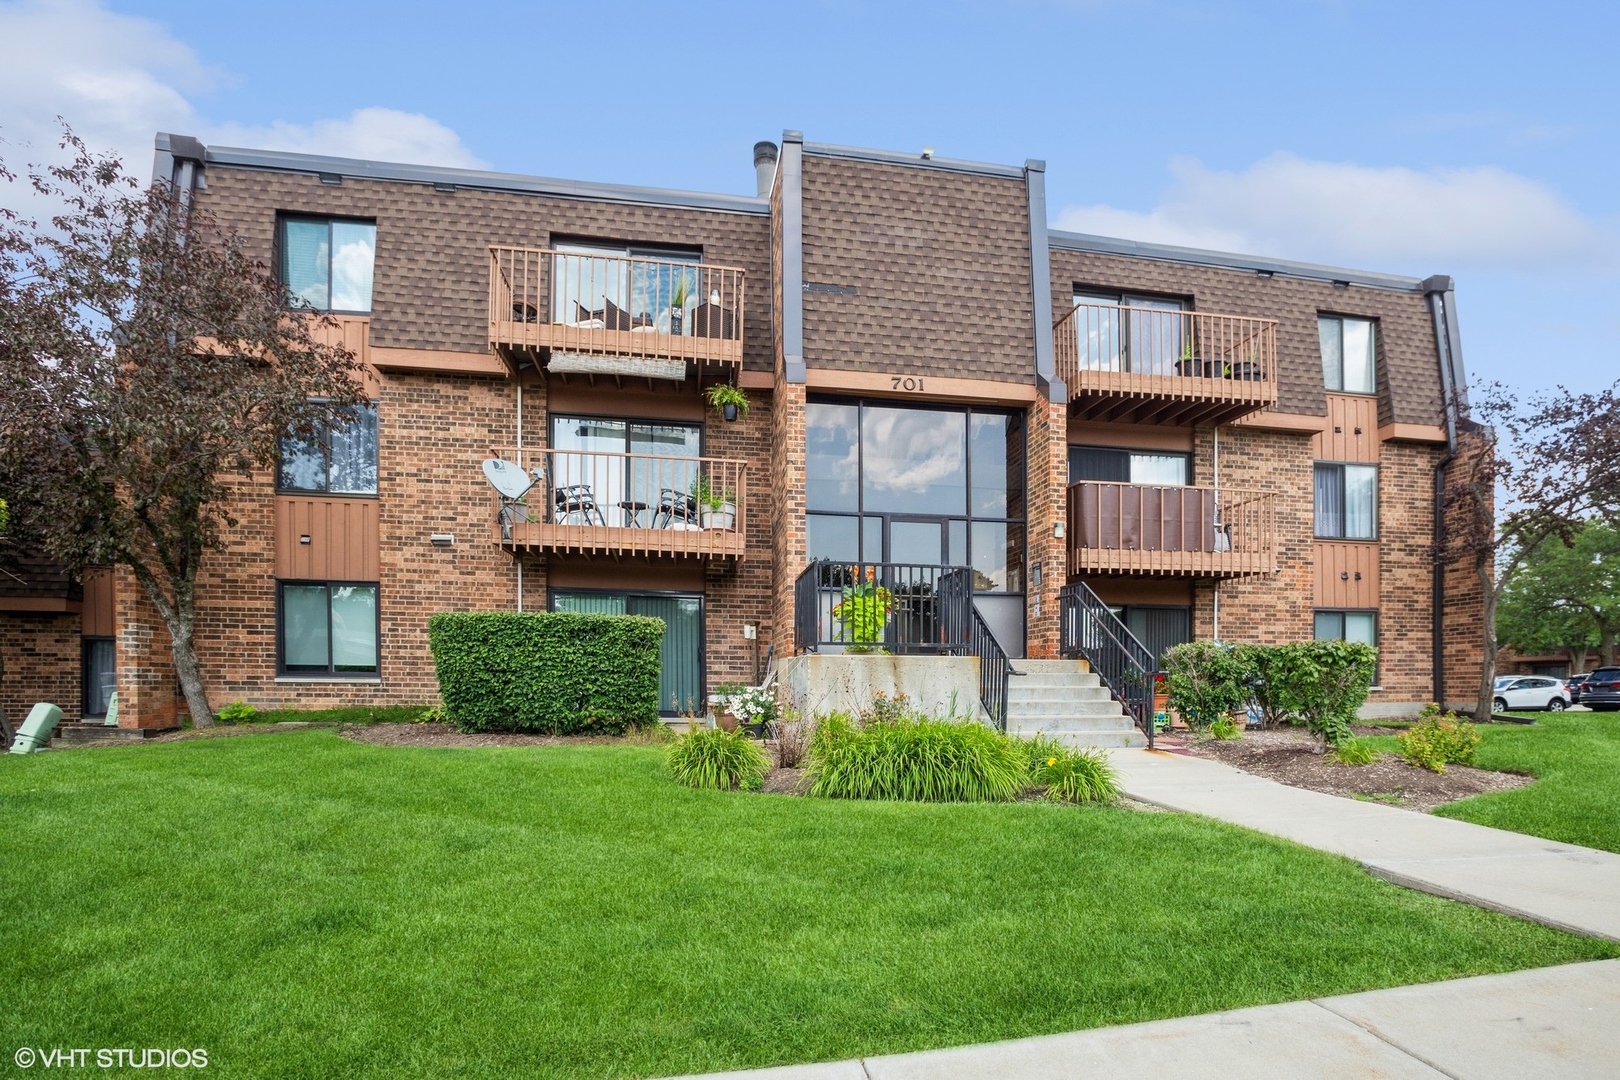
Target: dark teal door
(680, 683)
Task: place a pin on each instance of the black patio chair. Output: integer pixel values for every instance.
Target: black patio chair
(675, 506)
(576, 500)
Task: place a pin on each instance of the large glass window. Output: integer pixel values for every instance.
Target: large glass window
(590, 474)
(1349, 354)
(605, 286)
(328, 628)
(1346, 501)
(937, 486)
(100, 675)
(1125, 332)
(327, 263)
(680, 680)
(1359, 626)
(340, 459)
(1127, 466)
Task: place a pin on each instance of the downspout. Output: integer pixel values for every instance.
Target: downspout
(1216, 584)
(1442, 299)
(521, 465)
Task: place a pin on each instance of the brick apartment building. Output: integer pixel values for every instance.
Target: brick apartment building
(1217, 445)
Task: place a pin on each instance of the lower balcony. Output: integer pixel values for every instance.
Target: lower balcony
(621, 504)
(1170, 531)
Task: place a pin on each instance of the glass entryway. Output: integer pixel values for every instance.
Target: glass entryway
(680, 683)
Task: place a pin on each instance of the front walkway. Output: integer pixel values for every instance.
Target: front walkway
(1561, 885)
(1550, 1022)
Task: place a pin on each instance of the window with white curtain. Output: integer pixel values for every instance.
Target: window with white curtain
(1346, 501)
(1349, 354)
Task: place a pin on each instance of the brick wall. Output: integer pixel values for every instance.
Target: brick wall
(40, 652)
(741, 592)
(1048, 478)
(789, 545)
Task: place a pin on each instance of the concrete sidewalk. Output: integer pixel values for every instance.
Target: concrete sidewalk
(1551, 1022)
(1572, 888)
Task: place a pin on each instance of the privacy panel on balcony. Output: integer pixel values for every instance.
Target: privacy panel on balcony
(1180, 531)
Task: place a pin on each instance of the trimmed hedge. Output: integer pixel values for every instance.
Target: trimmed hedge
(554, 673)
(1321, 684)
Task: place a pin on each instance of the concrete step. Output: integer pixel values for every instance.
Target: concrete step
(1052, 724)
(1016, 692)
(1080, 740)
(1040, 710)
(1076, 666)
(1051, 682)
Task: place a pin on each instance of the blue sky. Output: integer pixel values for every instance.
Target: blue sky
(1477, 139)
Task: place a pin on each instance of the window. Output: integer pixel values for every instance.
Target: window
(341, 459)
(100, 675)
(932, 486)
(1349, 351)
(1127, 466)
(680, 679)
(1159, 627)
(328, 628)
(1359, 626)
(1148, 337)
(1346, 502)
(649, 490)
(627, 288)
(327, 263)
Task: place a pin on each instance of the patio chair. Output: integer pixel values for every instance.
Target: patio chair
(576, 501)
(675, 506)
(714, 321)
(36, 730)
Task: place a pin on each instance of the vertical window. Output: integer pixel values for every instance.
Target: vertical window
(339, 458)
(1127, 466)
(1346, 501)
(1349, 351)
(1359, 626)
(328, 628)
(327, 264)
(1144, 334)
(100, 678)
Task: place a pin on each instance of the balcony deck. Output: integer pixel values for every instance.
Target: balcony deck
(1170, 531)
(618, 504)
(1154, 366)
(653, 310)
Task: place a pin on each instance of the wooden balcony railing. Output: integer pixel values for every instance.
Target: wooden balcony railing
(656, 309)
(1170, 531)
(605, 502)
(1158, 366)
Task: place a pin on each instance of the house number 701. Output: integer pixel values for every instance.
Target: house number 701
(907, 382)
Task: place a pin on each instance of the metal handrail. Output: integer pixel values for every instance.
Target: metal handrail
(1156, 341)
(1090, 630)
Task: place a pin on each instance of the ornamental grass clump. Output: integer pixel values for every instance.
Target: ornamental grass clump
(914, 759)
(716, 758)
(1071, 775)
(1352, 751)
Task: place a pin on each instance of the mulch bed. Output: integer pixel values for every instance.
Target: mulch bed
(1290, 757)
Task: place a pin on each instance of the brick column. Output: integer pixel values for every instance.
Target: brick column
(147, 688)
(788, 540)
(1047, 508)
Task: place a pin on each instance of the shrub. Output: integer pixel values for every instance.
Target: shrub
(716, 758)
(1353, 752)
(1206, 680)
(237, 712)
(1075, 776)
(886, 710)
(550, 672)
(915, 759)
(752, 705)
(1333, 678)
(1274, 680)
(1225, 728)
(1438, 739)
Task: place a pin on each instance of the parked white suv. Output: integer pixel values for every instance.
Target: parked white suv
(1531, 692)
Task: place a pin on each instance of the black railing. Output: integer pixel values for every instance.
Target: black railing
(900, 608)
(1126, 667)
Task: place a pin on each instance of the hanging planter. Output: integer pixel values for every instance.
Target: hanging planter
(731, 401)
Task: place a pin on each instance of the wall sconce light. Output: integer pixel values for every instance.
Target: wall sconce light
(442, 539)
(1358, 575)
(750, 631)
(1344, 575)
(304, 539)
(1057, 531)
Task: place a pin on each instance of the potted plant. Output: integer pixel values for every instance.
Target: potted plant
(863, 612)
(755, 709)
(677, 304)
(731, 401)
(717, 507)
(721, 699)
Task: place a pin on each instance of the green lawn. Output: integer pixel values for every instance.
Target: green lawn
(302, 905)
(1575, 757)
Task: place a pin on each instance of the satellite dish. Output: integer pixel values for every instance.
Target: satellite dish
(508, 479)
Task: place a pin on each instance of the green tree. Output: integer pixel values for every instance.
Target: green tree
(1566, 597)
(147, 362)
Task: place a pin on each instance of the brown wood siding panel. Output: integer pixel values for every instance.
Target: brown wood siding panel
(98, 614)
(431, 286)
(343, 538)
(1337, 564)
(1408, 371)
(939, 265)
(1350, 432)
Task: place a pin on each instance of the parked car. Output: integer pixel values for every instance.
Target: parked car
(1600, 691)
(1532, 692)
(1573, 683)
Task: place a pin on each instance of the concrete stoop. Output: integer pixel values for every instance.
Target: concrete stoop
(1065, 701)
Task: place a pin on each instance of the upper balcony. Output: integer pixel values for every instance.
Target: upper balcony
(612, 503)
(664, 312)
(1160, 366)
(1170, 531)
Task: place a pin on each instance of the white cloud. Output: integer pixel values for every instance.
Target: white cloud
(120, 79)
(1340, 212)
(375, 133)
